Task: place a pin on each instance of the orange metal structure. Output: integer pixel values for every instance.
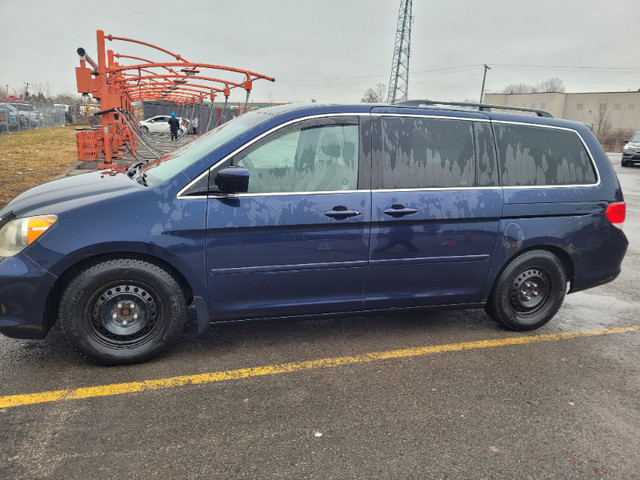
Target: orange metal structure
(117, 86)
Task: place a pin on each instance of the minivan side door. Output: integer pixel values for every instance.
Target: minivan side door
(436, 205)
(298, 241)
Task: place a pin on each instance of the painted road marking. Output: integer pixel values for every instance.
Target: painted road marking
(181, 381)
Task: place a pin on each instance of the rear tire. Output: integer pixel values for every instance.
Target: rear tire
(122, 311)
(529, 291)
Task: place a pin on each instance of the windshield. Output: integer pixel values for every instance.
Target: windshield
(166, 167)
(635, 138)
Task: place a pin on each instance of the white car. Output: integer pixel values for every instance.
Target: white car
(160, 124)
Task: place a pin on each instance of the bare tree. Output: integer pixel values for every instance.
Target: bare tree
(516, 88)
(603, 123)
(374, 94)
(550, 85)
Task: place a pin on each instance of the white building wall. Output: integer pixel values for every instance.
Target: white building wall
(620, 110)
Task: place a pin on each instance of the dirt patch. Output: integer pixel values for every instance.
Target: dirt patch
(34, 157)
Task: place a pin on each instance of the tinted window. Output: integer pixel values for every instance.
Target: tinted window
(426, 152)
(315, 159)
(532, 155)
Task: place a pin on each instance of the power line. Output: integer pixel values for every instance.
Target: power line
(568, 67)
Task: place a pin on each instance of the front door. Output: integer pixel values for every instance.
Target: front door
(298, 241)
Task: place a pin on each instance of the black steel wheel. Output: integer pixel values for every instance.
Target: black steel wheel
(529, 291)
(122, 311)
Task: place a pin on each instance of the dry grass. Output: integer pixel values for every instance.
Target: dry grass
(33, 157)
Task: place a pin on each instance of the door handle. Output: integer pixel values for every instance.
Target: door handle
(341, 212)
(399, 211)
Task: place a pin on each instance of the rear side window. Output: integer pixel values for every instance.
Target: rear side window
(427, 153)
(531, 155)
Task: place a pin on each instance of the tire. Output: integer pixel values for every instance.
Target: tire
(122, 311)
(529, 291)
(144, 129)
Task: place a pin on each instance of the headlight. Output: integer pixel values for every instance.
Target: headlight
(22, 232)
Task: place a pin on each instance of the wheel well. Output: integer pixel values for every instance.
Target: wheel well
(53, 299)
(562, 255)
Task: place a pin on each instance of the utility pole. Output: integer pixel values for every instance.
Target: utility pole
(26, 90)
(399, 80)
(484, 77)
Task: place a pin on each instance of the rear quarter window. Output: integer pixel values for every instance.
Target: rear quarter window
(531, 155)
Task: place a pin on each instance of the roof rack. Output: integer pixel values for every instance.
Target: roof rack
(479, 106)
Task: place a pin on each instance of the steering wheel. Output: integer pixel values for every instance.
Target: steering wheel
(254, 179)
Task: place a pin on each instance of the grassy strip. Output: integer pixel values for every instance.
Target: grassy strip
(32, 157)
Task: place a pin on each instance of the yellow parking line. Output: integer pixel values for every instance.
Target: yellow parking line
(120, 388)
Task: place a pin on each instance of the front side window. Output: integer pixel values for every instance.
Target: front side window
(531, 155)
(314, 159)
(427, 153)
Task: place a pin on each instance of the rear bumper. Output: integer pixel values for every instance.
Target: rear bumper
(602, 264)
(24, 287)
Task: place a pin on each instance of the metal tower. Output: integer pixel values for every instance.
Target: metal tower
(399, 80)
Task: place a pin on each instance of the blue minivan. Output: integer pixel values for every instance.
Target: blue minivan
(316, 210)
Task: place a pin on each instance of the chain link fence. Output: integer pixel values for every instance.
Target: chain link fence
(614, 140)
(17, 115)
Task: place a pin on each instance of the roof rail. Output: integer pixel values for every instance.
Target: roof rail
(479, 106)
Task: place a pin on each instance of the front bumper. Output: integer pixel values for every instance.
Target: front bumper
(630, 158)
(24, 287)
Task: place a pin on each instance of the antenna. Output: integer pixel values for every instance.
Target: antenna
(399, 79)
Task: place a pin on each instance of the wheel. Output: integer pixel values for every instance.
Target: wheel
(144, 129)
(122, 311)
(529, 291)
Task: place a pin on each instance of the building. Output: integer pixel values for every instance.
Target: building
(611, 114)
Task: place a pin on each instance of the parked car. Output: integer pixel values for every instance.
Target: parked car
(316, 210)
(160, 124)
(631, 151)
(30, 117)
(8, 118)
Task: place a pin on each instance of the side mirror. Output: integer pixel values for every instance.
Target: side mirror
(233, 180)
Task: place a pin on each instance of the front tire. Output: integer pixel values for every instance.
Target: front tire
(529, 291)
(122, 311)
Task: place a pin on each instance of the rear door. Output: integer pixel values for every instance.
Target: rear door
(298, 241)
(436, 206)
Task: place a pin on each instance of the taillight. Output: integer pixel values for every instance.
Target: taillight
(616, 213)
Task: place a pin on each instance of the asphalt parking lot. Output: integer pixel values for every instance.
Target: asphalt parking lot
(405, 396)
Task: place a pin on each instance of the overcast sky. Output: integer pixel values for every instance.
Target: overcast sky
(333, 50)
